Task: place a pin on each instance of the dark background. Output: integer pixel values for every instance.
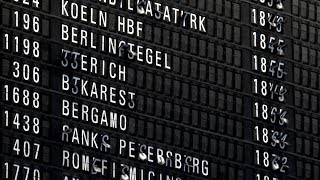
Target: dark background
(203, 106)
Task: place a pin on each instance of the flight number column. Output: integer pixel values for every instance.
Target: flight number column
(22, 102)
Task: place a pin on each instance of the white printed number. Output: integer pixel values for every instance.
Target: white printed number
(24, 96)
(260, 177)
(273, 161)
(34, 3)
(270, 113)
(26, 72)
(272, 44)
(22, 122)
(26, 46)
(272, 90)
(20, 172)
(264, 19)
(271, 67)
(278, 4)
(26, 149)
(275, 138)
(28, 22)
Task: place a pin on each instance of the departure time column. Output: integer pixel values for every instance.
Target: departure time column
(270, 115)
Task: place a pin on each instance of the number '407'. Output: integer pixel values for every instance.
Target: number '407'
(26, 149)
